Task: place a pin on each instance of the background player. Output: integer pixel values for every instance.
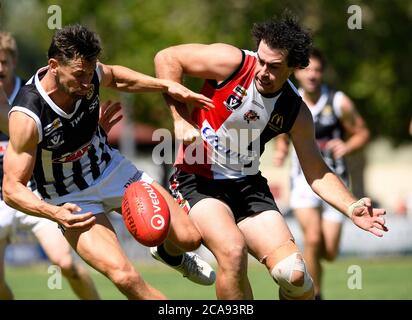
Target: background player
(339, 131)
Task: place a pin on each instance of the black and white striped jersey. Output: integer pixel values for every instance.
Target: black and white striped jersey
(72, 150)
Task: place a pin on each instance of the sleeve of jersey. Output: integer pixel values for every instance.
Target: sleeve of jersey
(25, 102)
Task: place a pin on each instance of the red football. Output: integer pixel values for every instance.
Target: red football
(145, 213)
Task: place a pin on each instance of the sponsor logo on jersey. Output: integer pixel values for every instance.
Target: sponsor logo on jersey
(77, 119)
(56, 123)
(213, 140)
(73, 156)
(232, 102)
(276, 122)
(89, 94)
(251, 115)
(94, 104)
(240, 91)
(55, 140)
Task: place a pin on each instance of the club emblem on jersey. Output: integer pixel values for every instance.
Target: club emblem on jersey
(89, 94)
(52, 126)
(250, 116)
(55, 140)
(232, 102)
(327, 110)
(239, 90)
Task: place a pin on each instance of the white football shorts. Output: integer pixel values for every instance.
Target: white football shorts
(11, 219)
(302, 196)
(107, 192)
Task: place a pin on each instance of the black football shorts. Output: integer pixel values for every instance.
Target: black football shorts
(245, 196)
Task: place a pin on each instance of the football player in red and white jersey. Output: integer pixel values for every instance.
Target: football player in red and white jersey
(216, 177)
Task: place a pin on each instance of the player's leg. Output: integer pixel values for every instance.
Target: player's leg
(183, 232)
(7, 220)
(222, 237)
(331, 229)
(58, 251)
(310, 221)
(306, 208)
(183, 236)
(270, 241)
(5, 292)
(100, 248)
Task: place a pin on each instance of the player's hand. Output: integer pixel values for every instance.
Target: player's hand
(368, 218)
(187, 132)
(338, 148)
(108, 111)
(69, 217)
(183, 94)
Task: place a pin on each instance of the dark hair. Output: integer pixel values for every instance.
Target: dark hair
(285, 33)
(318, 55)
(72, 41)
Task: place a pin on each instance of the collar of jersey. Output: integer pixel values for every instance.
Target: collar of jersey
(49, 101)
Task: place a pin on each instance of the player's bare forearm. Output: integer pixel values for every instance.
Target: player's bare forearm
(358, 140)
(128, 80)
(19, 197)
(168, 68)
(355, 127)
(179, 110)
(318, 175)
(331, 189)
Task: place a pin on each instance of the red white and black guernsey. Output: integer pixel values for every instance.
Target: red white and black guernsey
(72, 150)
(235, 132)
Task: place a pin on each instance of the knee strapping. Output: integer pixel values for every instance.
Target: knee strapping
(282, 272)
(288, 269)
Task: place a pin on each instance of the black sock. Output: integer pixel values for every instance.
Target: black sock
(172, 260)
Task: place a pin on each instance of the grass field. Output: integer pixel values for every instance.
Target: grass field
(383, 278)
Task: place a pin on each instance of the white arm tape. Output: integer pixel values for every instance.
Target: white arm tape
(353, 206)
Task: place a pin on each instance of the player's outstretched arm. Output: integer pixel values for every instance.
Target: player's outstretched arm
(128, 80)
(327, 184)
(215, 62)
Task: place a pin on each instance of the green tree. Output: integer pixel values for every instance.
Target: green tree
(371, 64)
